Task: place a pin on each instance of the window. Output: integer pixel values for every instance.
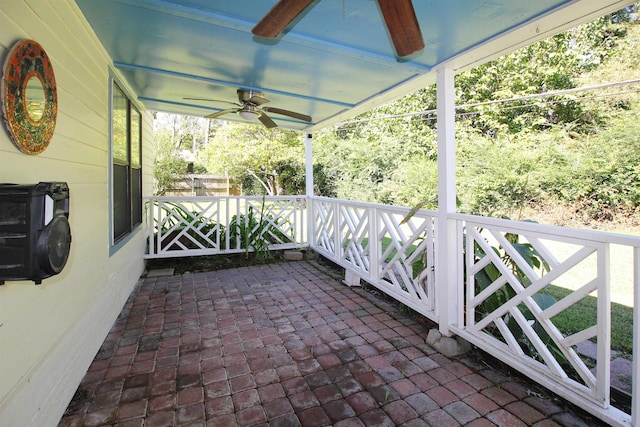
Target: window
(126, 166)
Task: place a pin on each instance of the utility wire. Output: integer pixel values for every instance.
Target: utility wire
(515, 107)
(551, 94)
(506, 100)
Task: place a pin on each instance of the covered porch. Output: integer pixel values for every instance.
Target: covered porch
(287, 344)
(494, 290)
(484, 280)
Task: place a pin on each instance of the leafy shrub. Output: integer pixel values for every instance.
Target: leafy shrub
(413, 182)
(256, 231)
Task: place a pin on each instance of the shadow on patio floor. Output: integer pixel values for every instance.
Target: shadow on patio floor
(288, 345)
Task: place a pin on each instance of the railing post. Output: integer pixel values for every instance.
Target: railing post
(337, 238)
(227, 219)
(159, 235)
(151, 226)
(635, 385)
(236, 231)
(604, 323)
(446, 264)
(374, 244)
(308, 156)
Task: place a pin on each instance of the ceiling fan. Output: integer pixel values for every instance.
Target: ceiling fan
(250, 108)
(399, 16)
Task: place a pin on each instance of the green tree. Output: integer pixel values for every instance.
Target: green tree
(273, 158)
(512, 155)
(360, 166)
(169, 166)
(414, 181)
(552, 64)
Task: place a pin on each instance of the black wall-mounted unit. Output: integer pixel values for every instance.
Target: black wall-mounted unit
(35, 237)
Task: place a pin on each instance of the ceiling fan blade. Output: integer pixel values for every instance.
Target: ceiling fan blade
(266, 120)
(220, 113)
(258, 100)
(279, 17)
(293, 114)
(213, 100)
(403, 26)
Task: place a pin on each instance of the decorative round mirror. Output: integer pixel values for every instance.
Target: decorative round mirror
(29, 97)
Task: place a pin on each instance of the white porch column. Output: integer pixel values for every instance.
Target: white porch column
(446, 264)
(308, 158)
(308, 162)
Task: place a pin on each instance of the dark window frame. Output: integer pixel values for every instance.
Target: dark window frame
(125, 168)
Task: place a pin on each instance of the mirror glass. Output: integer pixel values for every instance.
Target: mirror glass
(34, 99)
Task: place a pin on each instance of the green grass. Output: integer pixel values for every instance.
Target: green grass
(584, 314)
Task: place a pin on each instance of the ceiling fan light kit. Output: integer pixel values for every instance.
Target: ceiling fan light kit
(248, 114)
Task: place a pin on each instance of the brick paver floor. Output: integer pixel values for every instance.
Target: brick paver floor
(288, 345)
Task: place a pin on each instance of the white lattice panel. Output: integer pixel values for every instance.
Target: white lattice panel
(277, 219)
(509, 275)
(406, 255)
(185, 226)
(353, 232)
(324, 225)
(371, 243)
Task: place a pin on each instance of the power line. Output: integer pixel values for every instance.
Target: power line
(551, 94)
(507, 100)
(515, 107)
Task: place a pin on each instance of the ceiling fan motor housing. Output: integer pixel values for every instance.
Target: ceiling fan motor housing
(35, 236)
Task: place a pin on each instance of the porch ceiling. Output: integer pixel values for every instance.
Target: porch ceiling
(334, 62)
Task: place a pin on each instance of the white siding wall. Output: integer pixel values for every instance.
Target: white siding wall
(50, 333)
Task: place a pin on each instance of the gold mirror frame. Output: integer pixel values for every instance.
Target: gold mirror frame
(30, 116)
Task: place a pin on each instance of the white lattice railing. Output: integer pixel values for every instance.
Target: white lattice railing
(186, 226)
(507, 271)
(510, 270)
(506, 305)
(370, 242)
